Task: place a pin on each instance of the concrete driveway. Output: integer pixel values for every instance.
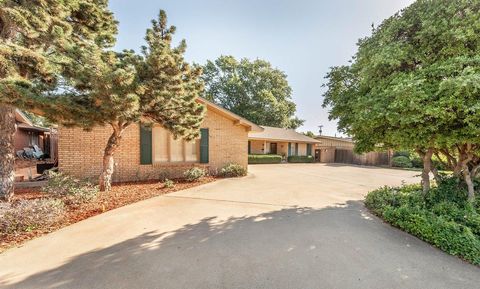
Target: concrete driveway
(283, 226)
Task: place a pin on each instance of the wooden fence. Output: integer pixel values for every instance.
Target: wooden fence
(347, 156)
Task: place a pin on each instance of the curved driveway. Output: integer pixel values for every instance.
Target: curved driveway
(283, 226)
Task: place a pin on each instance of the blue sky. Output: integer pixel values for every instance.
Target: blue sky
(303, 38)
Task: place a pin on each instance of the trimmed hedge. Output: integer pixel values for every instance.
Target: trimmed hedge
(444, 217)
(300, 159)
(264, 159)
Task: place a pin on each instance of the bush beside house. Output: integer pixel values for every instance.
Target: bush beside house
(300, 159)
(232, 171)
(71, 191)
(264, 159)
(194, 174)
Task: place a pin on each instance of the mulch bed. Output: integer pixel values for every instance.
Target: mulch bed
(120, 195)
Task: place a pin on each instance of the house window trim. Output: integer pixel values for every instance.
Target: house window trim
(169, 154)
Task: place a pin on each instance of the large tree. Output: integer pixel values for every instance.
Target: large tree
(41, 41)
(157, 86)
(252, 89)
(414, 84)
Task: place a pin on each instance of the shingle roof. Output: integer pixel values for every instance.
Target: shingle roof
(280, 134)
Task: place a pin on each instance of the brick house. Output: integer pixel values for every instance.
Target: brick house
(150, 152)
(280, 141)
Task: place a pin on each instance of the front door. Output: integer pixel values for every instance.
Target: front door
(273, 148)
(317, 156)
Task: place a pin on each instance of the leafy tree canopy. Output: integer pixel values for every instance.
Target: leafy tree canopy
(309, 134)
(414, 84)
(252, 89)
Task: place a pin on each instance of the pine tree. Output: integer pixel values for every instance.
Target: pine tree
(156, 86)
(41, 44)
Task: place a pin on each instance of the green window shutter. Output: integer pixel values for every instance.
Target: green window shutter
(204, 145)
(145, 144)
(249, 147)
(296, 149)
(309, 149)
(289, 149)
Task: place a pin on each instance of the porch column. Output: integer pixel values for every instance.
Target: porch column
(264, 147)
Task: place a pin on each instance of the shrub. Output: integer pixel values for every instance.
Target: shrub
(233, 170)
(451, 189)
(300, 159)
(28, 215)
(443, 217)
(194, 174)
(402, 154)
(168, 184)
(74, 192)
(401, 162)
(417, 162)
(264, 159)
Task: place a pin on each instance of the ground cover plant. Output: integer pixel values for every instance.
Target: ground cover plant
(444, 217)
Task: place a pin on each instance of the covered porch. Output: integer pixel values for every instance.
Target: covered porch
(281, 148)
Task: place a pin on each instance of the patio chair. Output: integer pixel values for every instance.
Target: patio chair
(37, 152)
(20, 154)
(28, 152)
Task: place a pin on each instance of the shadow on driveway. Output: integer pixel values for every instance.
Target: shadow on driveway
(334, 247)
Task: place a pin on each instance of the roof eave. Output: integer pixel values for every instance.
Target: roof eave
(22, 117)
(283, 140)
(238, 120)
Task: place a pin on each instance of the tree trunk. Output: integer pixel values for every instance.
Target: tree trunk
(7, 151)
(467, 176)
(427, 168)
(436, 175)
(463, 169)
(105, 180)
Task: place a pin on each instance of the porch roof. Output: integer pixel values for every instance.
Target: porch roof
(25, 126)
(280, 134)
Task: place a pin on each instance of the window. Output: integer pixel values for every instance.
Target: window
(32, 138)
(168, 149)
(294, 149)
(191, 149)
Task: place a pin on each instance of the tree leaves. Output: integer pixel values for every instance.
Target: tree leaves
(252, 89)
(413, 83)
